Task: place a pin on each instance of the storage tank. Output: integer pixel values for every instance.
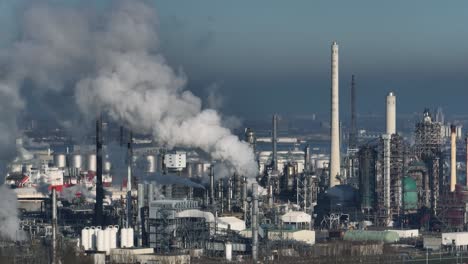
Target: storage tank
(76, 161)
(113, 237)
(100, 240)
(129, 237)
(372, 236)
(85, 238)
(123, 237)
(410, 194)
(199, 169)
(107, 166)
(92, 238)
(91, 162)
(150, 164)
(107, 236)
(60, 160)
(228, 251)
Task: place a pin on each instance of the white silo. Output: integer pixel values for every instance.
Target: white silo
(228, 251)
(113, 236)
(129, 237)
(92, 238)
(77, 161)
(391, 113)
(91, 162)
(60, 160)
(151, 164)
(85, 238)
(100, 240)
(123, 237)
(107, 237)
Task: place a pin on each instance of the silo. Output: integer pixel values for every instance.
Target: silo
(76, 161)
(151, 164)
(199, 169)
(123, 237)
(129, 237)
(107, 166)
(228, 251)
(91, 162)
(60, 160)
(85, 233)
(107, 237)
(113, 236)
(100, 240)
(92, 238)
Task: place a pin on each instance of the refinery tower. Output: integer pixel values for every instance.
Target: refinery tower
(335, 119)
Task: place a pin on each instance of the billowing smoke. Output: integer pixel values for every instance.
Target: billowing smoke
(111, 63)
(9, 222)
(73, 192)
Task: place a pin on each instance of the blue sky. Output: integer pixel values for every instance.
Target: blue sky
(273, 56)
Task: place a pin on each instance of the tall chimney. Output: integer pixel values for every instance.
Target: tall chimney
(453, 157)
(254, 222)
(391, 114)
(353, 132)
(274, 141)
(466, 153)
(129, 180)
(244, 196)
(54, 226)
(335, 119)
(229, 195)
(212, 191)
(99, 189)
(307, 159)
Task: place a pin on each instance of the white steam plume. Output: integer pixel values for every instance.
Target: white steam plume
(111, 62)
(9, 222)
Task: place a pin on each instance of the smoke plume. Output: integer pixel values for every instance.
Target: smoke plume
(110, 62)
(9, 222)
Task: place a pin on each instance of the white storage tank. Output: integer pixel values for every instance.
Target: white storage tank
(107, 166)
(60, 160)
(123, 237)
(129, 237)
(151, 164)
(91, 162)
(113, 237)
(85, 238)
(100, 240)
(107, 234)
(76, 161)
(92, 238)
(228, 251)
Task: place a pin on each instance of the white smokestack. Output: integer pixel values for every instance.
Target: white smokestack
(391, 114)
(335, 119)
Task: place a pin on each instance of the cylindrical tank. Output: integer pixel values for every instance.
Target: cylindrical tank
(85, 233)
(189, 170)
(123, 237)
(129, 237)
(410, 194)
(100, 240)
(76, 161)
(228, 251)
(92, 238)
(113, 237)
(374, 236)
(199, 169)
(151, 164)
(107, 234)
(60, 160)
(92, 162)
(107, 166)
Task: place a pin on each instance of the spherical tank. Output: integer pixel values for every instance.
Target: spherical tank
(151, 164)
(77, 161)
(92, 162)
(60, 160)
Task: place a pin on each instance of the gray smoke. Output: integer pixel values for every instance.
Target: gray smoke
(111, 63)
(73, 192)
(9, 222)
